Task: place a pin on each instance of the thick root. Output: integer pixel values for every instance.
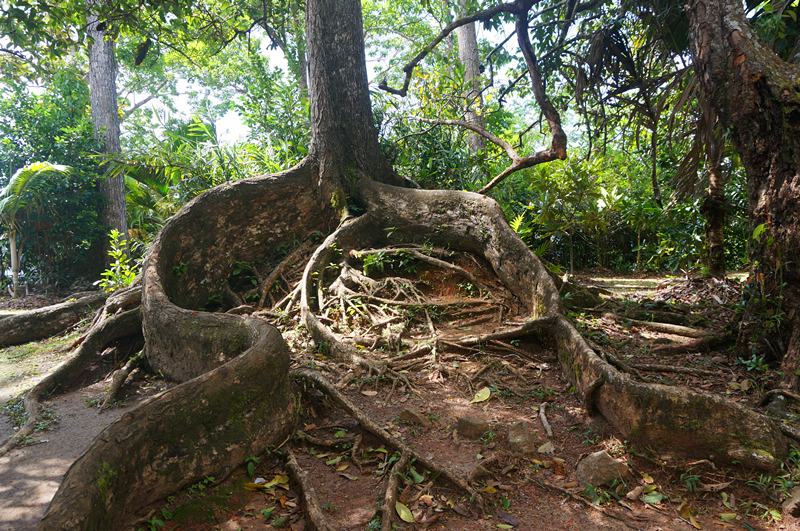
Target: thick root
(48, 321)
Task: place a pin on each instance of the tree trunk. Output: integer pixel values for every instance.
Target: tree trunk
(12, 246)
(714, 210)
(344, 140)
(755, 92)
(469, 56)
(105, 116)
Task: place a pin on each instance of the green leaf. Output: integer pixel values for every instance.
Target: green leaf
(403, 512)
(339, 434)
(728, 517)
(653, 498)
(415, 475)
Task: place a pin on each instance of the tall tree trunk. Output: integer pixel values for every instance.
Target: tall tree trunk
(344, 140)
(755, 92)
(105, 116)
(469, 56)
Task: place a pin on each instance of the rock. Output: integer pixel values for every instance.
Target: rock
(472, 427)
(600, 468)
(792, 504)
(521, 439)
(415, 417)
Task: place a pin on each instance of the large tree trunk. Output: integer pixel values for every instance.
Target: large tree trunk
(344, 141)
(105, 116)
(755, 92)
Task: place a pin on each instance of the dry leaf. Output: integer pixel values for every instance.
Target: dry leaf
(369, 393)
(546, 448)
(403, 512)
(482, 395)
(507, 518)
(460, 509)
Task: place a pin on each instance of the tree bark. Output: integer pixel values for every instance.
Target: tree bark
(105, 116)
(48, 321)
(755, 92)
(469, 56)
(343, 139)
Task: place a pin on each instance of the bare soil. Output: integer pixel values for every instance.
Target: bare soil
(526, 491)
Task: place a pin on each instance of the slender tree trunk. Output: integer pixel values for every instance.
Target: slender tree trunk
(713, 209)
(654, 169)
(755, 92)
(469, 56)
(12, 244)
(105, 116)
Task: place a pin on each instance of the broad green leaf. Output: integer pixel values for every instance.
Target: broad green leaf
(415, 475)
(653, 498)
(728, 517)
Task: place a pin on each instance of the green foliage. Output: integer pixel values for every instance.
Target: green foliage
(122, 271)
(58, 229)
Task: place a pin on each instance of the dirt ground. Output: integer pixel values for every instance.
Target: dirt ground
(533, 491)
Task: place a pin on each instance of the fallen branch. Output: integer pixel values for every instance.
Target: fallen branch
(390, 496)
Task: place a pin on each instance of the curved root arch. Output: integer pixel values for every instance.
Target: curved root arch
(236, 398)
(671, 420)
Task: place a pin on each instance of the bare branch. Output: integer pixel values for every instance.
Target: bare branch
(447, 30)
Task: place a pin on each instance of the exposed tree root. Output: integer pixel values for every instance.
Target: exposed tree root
(111, 328)
(314, 509)
(48, 321)
(672, 368)
(390, 495)
(706, 344)
(118, 379)
(665, 328)
(319, 381)
(280, 269)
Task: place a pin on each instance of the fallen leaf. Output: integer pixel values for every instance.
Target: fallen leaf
(342, 467)
(571, 485)
(653, 498)
(405, 495)
(482, 395)
(278, 523)
(647, 478)
(334, 460)
(694, 523)
(255, 486)
(403, 512)
(546, 448)
(507, 518)
(369, 393)
(348, 476)
(490, 490)
(427, 499)
(728, 517)
(460, 509)
(505, 526)
(321, 456)
(715, 487)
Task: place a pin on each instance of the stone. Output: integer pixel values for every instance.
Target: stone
(415, 417)
(600, 468)
(521, 439)
(792, 504)
(472, 427)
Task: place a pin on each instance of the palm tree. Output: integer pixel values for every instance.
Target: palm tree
(21, 193)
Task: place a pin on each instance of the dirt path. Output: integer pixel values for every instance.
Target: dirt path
(30, 476)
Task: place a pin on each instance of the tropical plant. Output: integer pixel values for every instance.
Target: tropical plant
(22, 193)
